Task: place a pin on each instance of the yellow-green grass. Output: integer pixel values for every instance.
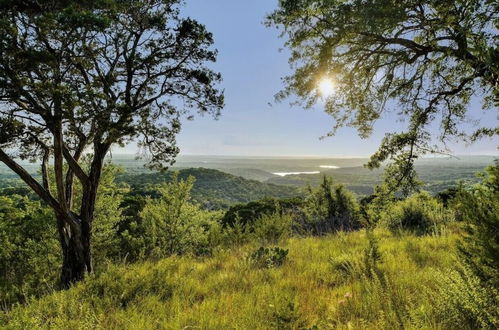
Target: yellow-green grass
(322, 284)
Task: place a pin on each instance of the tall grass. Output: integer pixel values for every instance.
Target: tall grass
(325, 282)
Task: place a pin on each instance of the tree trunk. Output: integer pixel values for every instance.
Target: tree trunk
(75, 255)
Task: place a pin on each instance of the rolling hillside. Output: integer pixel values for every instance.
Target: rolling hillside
(214, 189)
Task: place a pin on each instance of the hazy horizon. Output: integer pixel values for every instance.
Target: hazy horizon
(128, 153)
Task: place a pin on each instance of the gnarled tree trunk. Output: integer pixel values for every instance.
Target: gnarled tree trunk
(74, 263)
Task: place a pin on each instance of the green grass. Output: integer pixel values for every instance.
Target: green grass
(322, 283)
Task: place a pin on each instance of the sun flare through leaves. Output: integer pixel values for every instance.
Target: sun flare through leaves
(326, 87)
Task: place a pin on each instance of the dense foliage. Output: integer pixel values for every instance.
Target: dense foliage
(330, 208)
(420, 213)
(479, 210)
(472, 291)
(171, 224)
(247, 214)
(29, 251)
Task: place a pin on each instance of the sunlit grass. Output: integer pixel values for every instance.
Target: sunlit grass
(313, 287)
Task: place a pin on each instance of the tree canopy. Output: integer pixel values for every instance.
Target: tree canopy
(420, 60)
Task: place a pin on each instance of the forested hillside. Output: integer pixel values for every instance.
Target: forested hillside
(213, 189)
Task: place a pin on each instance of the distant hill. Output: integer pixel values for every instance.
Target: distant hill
(213, 188)
(358, 179)
(437, 174)
(250, 173)
(223, 181)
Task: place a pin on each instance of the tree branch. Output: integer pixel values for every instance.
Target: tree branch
(75, 167)
(40, 190)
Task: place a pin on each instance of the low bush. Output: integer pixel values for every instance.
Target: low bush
(330, 208)
(462, 301)
(286, 315)
(270, 229)
(469, 296)
(171, 224)
(29, 250)
(247, 214)
(420, 213)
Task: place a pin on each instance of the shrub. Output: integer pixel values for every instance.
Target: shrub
(446, 196)
(29, 250)
(479, 210)
(247, 214)
(462, 301)
(419, 213)
(29, 242)
(268, 257)
(286, 315)
(274, 227)
(171, 224)
(236, 235)
(108, 215)
(470, 295)
(330, 208)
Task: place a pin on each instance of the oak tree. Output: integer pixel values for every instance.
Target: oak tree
(78, 77)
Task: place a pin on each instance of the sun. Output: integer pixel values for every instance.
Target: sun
(326, 87)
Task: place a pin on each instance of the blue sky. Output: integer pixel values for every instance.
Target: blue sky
(252, 64)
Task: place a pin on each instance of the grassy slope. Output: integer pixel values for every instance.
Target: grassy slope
(314, 287)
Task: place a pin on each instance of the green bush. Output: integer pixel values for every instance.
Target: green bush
(286, 315)
(462, 301)
(108, 215)
(171, 224)
(29, 250)
(479, 210)
(247, 214)
(419, 213)
(30, 255)
(274, 227)
(268, 257)
(236, 235)
(469, 296)
(330, 208)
